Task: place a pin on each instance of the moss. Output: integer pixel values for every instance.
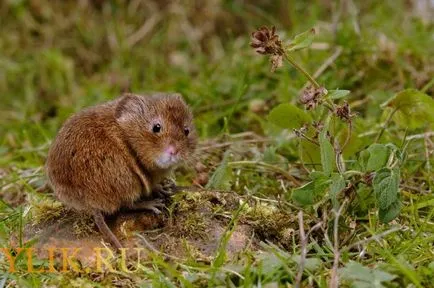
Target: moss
(192, 225)
(84, 226)
(272, 224)
(46, 210)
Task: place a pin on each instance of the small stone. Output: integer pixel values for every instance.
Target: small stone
(202, 179)
(257, 105)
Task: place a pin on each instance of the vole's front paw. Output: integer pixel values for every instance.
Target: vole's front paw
(165, 189)
(153, 205)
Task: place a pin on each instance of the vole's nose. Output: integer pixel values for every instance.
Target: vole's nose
(171, 150)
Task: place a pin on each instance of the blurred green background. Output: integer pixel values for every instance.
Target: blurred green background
(59, 56)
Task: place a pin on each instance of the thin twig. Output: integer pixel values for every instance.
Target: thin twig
(373, 237)
(303, 243)
(270, 167)
(307, 138)
(225, 144)
(420, 136)
(385, 124)
(334, 282)
(153, 249)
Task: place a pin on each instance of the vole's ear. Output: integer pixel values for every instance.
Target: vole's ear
(129, 107)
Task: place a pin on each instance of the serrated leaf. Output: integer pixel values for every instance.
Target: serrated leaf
(337, 94)
(301, 41)
(288, 116)
(390, 213)
(414, 109)
(309, 193)
(327, 152)
(221, 177)
(386, 187)
(378, 156)
(337, 185)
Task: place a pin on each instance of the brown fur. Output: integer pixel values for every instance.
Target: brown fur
(103, 158)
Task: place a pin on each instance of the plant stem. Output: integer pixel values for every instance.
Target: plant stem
(334, 281)
(385, 124)
(307, 138)
(350, 173)
(299, 68)
(329, 106)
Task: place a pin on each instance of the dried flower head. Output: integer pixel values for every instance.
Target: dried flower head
(266, 41)
(312, 96)
(368, 178)
(344, 112)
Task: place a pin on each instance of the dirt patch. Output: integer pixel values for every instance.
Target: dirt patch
(192, 227)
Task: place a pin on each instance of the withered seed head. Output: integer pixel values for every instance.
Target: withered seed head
(311, 96)
(266, 41)
(344, 112)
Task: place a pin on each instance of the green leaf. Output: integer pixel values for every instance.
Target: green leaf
(337, 94)
(363, 159)
(311, 192)
(288, 116)
(390, 213)
(304, 195)
(311, 264)
(221, 177)
(270, 155)
(414, 109)
(327, 152)
(378, 157)
(362, 276)
(338, 184)
(301, 41)
(364, 200)
(386, 187)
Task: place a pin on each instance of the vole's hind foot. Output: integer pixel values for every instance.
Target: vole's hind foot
(165, 189)
(150, 205)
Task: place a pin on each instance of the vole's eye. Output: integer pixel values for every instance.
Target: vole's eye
(156, 128)
(186, 131)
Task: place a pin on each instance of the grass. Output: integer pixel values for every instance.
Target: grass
(58, 57)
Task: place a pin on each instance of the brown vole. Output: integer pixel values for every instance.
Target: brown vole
(109, 156)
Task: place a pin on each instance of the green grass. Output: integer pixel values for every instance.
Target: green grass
(57, 57)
